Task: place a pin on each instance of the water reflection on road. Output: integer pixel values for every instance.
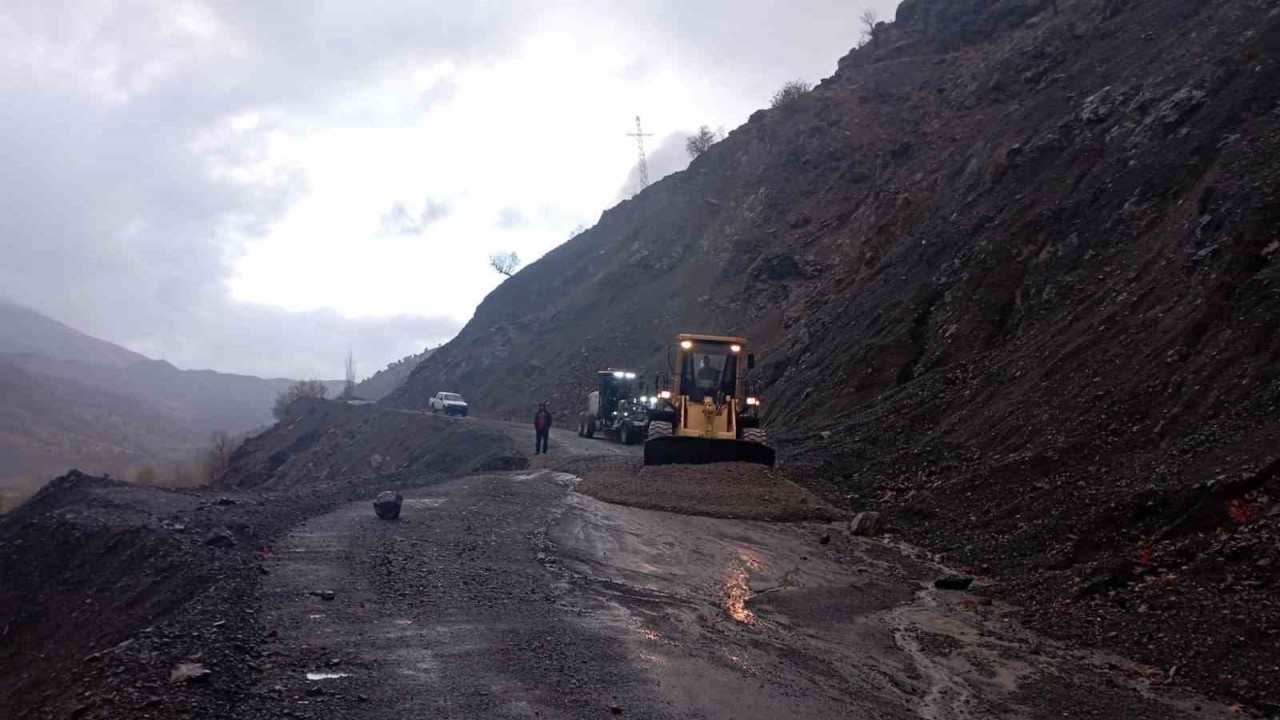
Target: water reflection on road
(737, 586)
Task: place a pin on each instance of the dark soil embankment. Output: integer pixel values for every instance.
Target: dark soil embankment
(106, 587)
(724, 490)
(323, 440)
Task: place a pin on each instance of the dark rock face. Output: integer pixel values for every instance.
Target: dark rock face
(952, 23)
(387, 505)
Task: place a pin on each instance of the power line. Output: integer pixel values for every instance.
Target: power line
(640, 135)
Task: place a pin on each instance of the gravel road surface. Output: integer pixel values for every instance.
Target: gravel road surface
(510, 595)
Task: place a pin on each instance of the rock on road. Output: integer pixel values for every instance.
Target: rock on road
(510, 595)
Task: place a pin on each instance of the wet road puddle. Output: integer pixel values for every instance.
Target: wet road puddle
(736, 589)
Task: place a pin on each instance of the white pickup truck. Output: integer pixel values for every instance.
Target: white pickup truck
(448, 403)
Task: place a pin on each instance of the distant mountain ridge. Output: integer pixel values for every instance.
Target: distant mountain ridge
(24, 331)
(73, 400)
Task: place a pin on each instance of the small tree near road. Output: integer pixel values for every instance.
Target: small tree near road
(219, 456)
(300, 389)
(505, 263)
(790, 92)
(697, 144)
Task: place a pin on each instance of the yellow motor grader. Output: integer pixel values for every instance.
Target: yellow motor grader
(702, 412)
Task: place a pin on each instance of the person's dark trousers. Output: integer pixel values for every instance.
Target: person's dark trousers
(540, 443)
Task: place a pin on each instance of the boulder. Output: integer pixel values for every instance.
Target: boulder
(865, 523)
(387, 505)
(221, 537)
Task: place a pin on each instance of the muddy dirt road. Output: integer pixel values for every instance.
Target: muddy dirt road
(511, 595)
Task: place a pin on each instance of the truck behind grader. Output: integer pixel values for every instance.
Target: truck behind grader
(701, 411)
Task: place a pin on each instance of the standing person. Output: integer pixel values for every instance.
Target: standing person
(542, 429)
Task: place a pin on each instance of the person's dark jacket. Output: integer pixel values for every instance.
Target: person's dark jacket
(542, 420)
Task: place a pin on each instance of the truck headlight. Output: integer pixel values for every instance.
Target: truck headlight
(665, 394)
(753, 401)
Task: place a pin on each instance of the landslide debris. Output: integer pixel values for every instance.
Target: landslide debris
(725, 490)
(1012, 278)
(119, 600)
(323, 440)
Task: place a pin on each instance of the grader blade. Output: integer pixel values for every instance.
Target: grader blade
(700, 451)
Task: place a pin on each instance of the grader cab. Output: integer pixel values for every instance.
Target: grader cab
(704, 412)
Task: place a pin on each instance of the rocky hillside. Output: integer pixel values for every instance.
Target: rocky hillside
(390, 378)
(1012, 276)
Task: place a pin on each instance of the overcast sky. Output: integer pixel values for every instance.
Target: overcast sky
(257, 186)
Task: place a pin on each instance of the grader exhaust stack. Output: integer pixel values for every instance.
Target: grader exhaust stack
(704, 414)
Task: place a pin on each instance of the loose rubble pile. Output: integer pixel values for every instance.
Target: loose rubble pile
(120, 600)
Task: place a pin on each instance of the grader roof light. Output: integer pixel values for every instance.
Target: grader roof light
(686, 344)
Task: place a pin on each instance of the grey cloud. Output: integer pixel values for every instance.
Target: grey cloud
(759, 43)
(114, 225)
(269, 342)
(117, 227)
(433, 211)
(511, 218)
(399, 221)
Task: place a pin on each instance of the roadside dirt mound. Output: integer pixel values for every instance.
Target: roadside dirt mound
(107, 587)
(725, 490)
(324, 440)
